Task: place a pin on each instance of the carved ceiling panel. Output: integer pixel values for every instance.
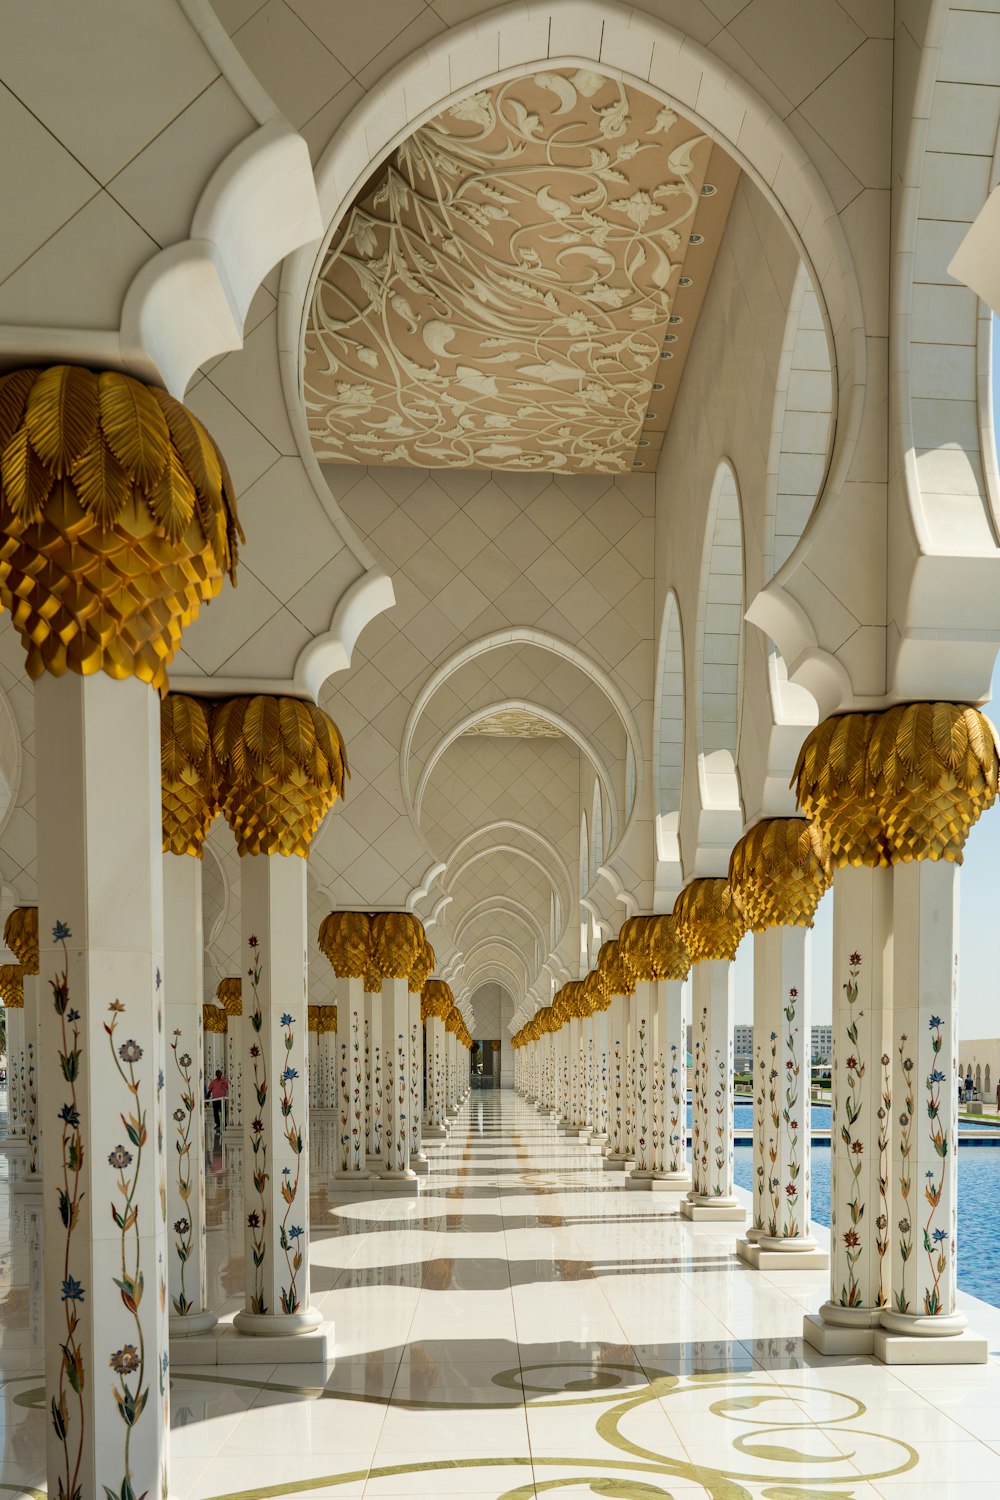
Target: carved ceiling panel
(518, 286)
(518, 724)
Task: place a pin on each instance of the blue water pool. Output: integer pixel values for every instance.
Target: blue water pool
(978, 1205)
(743, 1116)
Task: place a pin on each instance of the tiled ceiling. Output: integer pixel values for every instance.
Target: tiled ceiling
(517, 287)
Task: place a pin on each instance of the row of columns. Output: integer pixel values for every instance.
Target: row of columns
(889, 799)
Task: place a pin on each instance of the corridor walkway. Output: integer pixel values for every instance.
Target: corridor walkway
(525, 1326)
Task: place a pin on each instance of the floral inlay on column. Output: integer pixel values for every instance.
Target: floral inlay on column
(773, 1180)
(72, 1372)
(257, 1217)
(935, 1236)
(854, 1072)
(723, 1072)
(676, 1130)
(129, 1362)
(789, 1114)
(183, 1120)
(290, 1234)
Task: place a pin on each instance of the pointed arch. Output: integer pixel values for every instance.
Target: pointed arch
(668, 732)
(719, 649)
(596, 833)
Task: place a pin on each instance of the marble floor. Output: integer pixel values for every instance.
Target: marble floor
(524, 1326)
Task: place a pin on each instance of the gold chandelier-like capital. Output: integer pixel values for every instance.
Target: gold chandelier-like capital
(935, 769)
(633, 949)
(312, 1018)
(668, 952)
(214, 1018)
(397, 940)
(117, 518)
(327, 1019)
(346, 939)
(12, 986)
(20, 933)
(708, 920)
(902, 784)
(423, 966)
(615, 976)
(230, 995)
(594, 992)
(188, 774)
(282, 765)
(778, 873)
(436, 999)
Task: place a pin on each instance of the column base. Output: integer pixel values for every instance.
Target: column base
(233, 1133)
(352, 1182)
(29, 1185)
(435, 1133)
(762, 1255)
(187, 1325)
(753, 1234)
(841, 1330)
(964, 1348)
(617, 1163)
(398, 1183)
(598, 1137)
(229, 1346)
(14, 1147)
(641, 1181)
(565, 1128)
(672, 1182)
(420, 1164)
(703, 1209)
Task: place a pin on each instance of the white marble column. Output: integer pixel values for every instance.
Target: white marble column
(351, 1173)
(103, 1060)
(616, 1158)
(375, 1103)
(861, 1179)
(922, 1323)
(643, 1088)
(599, 1079)
(276, 1114)
(396, 1174)
(418, 1156)
(712, 1195)
(783, 1204)
(437, 1102)
(671, 1163)
(182, 987)
(15, 1139)
(235, 1052)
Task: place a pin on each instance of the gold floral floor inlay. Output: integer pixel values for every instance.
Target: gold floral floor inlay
(773, 1452)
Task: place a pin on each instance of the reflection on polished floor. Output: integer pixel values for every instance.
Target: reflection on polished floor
(527, 1326)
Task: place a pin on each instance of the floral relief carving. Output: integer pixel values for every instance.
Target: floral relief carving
(793, 1106)
(852, 1138)
(257, 1216)
(290, 1235)
(908, 1207)
(676, 1138)
(67, 1407)
(131, 1392)
(936, 1237)
(500, 295)
(183, 1121)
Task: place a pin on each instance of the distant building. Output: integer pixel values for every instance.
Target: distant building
(743, 1048)
(822, 1043)
(981, 1058)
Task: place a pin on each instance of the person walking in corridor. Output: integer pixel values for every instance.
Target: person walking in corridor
(218, 1090)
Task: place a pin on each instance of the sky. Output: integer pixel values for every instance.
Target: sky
(979, 907)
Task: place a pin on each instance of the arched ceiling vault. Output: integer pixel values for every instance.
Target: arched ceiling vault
(518, 284)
